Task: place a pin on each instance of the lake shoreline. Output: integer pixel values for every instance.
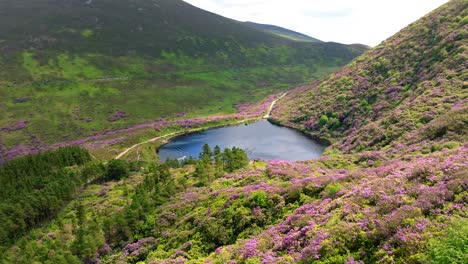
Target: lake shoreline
(271, 101)
(105, 140)
(257, 139)
(320, 140)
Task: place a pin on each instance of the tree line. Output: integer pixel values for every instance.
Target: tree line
(35, 187)
(95, 230)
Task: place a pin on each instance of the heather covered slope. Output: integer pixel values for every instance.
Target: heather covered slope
(401, 201)
(411, 89)
(75, 68)
(338, 209)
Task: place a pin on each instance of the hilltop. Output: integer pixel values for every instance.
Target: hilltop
(77, 68)
(283, 32)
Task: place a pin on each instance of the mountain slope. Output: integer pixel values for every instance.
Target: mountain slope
(398, 202)
(142, 26)
(283, 32)
(405, 90)
(75, 68)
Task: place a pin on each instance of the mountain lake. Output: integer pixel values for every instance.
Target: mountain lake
(261, 140)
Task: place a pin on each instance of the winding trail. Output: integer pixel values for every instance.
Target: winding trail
(177, 133)
(273, 105)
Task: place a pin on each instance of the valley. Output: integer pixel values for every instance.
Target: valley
(261, 140)
(67, 76)
(154, 132)
(247, 120)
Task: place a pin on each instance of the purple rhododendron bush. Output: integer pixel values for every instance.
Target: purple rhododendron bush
(313, 212)
(385, 214)
(392, 187)
(413, 82)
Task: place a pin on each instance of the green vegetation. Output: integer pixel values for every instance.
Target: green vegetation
(332, 189)
(117, 169)
(161, 213)
(323, 120)
(283, 32)
(93, 229)
(68, 76)
(62, 110)
(35, 188)
(451, 246)
(385, 98)
(392, 188)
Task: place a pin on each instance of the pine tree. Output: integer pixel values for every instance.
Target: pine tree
(200, 174)
(117, 169)
(219, 165)
(206, 154)
(217, 150)
(227, 158)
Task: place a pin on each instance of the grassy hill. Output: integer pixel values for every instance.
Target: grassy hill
(78, 67)
(283, 32)
(411, 88)
(391, 189)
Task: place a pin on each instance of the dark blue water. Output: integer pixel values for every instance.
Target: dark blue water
(261, 140)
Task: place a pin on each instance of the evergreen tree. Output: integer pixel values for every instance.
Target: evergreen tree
(36, 187)
(240, 158)
(117, 169)
(79, 231)
(219, 165)
(217, 150)
(201, 174)
(206, 154)
(228, 159)
(234, 159)
(173, 163)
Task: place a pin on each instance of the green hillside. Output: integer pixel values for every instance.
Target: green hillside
(411, 88)
(75, 68)
(283, 32)
(392, 187)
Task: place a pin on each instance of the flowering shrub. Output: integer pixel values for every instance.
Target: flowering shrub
(402, 90)
(392, 188)
(384, 217)
(20, 125)
(109, 138)
(119, 114)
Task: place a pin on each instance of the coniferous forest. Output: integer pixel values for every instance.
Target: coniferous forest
(35, 188)
(38, 186)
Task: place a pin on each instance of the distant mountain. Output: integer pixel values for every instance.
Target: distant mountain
(117, 27)
(122, 27)
(71, 68)
(283, 32)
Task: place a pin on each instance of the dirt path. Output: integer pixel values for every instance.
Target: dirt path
(177, 133)
(273, 105)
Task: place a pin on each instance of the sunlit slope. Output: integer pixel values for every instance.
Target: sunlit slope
(79, 67)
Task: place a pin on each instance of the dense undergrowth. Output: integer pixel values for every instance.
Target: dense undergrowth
(408, 90)
(35, 188)
(391, 189)
(47, 182)
(340, 208)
